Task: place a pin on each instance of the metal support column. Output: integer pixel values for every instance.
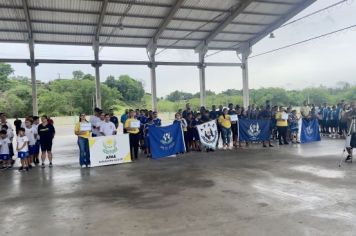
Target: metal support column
(152, 67)
(97, 65)
(245, 88)
(33, 65)
(201, 67)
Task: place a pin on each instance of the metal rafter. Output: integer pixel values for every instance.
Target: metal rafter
(152, 44)
(101, 19)
(239, 9)
(27, 17)
(281, 21)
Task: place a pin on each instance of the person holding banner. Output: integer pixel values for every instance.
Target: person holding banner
(107, 127)
(83, 129)
(351, 127)
(183, 123)
(282, 125)
(225, 124)
(132, 126)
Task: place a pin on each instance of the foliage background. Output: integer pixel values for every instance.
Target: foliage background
(62, 97)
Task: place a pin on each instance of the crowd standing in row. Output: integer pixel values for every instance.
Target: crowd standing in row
(31, 137)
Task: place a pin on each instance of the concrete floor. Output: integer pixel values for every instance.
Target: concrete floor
(295, 190)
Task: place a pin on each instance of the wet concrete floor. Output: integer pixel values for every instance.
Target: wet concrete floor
(294, 190)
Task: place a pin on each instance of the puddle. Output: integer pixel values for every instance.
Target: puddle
(320, 172)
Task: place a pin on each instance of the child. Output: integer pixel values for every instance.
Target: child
(22, 149)
(4, 150)
(31, 134)
(36, 122)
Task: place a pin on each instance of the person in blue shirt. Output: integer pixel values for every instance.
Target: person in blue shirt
(123, 119)
(190, 131)
(148, 124)
(157, 121)
(186, 111)
(213, 113)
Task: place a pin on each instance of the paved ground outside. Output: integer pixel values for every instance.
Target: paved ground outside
(294, 190)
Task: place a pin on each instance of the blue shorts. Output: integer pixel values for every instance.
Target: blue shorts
(32, 149)
(22, 155)
(37, 148)
(4, 157)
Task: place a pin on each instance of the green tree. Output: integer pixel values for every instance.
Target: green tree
(130, 89)
(5, 71)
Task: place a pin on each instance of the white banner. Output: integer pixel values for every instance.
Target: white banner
(208, 133)
(109, 150)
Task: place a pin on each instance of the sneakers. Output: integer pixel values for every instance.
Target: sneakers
(50, 165)
(30, 166)
(348, 158)
(42, 165)
(26, 168)
(21, 168)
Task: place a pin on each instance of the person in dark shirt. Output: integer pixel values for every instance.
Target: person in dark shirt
(213, 113)
(186, 111)
(204, 117)
(46, 133)
(17, 124)
(266, 114)
(113, 118)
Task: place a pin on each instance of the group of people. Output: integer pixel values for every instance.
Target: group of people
(32, 137)
(284, 125)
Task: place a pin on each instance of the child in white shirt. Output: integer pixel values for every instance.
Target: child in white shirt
(31, 134)
(22, 149)
(5, 150)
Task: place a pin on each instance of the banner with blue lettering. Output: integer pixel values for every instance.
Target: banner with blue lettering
(309, 131)
(254, 130)
(166, 140)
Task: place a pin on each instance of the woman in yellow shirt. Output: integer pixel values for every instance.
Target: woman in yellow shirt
(83, 133)
(133, 134)
(282, 125)
(225, 124)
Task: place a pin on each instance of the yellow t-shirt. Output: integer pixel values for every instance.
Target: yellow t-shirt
(77, 129)
(225, 122)
(128, 124)
(281, 123)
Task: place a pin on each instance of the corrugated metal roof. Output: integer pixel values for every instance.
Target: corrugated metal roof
(135, 23)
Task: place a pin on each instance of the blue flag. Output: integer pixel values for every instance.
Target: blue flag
(166, 141)
(309, 131)
(254, 130)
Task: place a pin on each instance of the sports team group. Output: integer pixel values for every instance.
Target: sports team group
(35, 135)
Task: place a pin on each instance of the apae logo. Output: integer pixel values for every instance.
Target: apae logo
(109, 146)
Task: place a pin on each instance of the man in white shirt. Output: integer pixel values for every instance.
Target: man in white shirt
(95, 120)
(107, 128)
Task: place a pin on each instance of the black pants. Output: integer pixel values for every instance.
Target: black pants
(186, 141)
(282, 133)
(134, 143)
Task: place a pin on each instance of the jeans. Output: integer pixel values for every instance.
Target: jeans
(225, 134)
(84, 156)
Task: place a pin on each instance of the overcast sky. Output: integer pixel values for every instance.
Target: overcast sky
(325, 61)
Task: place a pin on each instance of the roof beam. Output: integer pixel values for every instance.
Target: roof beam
(101, 19)
(141, 16)
(117, 62)
(239, 9)
(113, 35)
(27, 17)
(152, 44)
(300, 7)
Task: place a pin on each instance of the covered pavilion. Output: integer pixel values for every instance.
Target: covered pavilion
(199, 25)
